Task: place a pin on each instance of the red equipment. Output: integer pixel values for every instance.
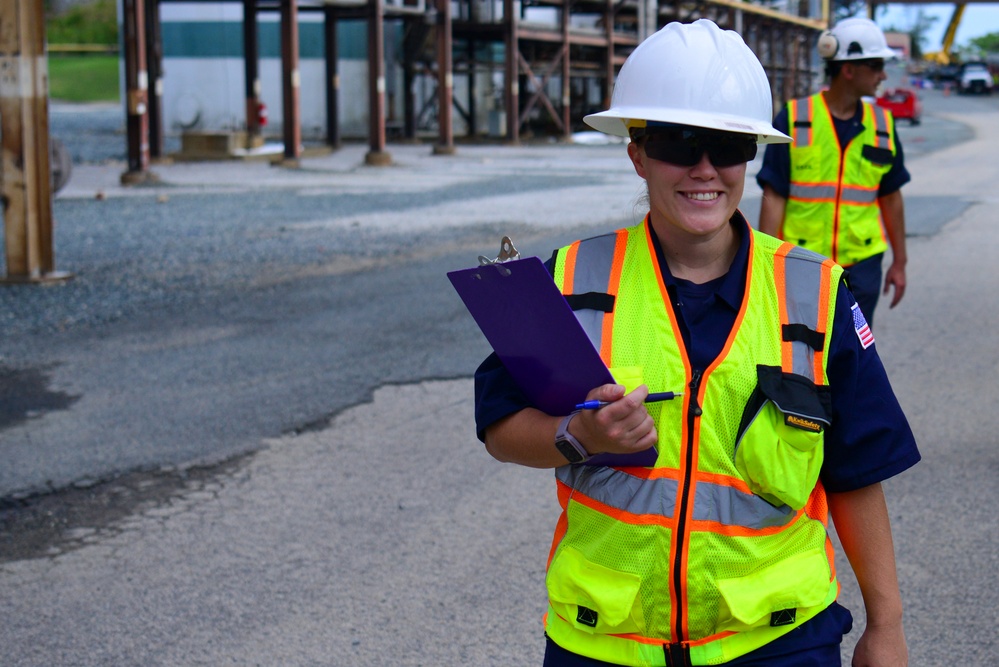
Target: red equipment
(903, 104)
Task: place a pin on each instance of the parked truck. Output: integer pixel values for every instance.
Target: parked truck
(976, 78)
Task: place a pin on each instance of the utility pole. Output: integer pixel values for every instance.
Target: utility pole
(25, 170)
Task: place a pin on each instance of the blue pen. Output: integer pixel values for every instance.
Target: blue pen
(651, 398)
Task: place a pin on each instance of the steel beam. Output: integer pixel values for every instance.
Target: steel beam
(445, 81)
(332, 61)
(251, 71)
(136, 93)
(290, 83)
(154, 63)
(376, 155)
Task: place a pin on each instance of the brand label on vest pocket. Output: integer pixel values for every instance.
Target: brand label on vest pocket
(803, 423)
(783, 617)
(586, 616)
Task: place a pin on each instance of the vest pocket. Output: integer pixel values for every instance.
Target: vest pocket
(779, 448)
(799, 582)
(592, 597)
(879, 156)
(631, 377)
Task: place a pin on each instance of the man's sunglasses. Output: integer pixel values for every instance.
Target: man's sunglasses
(873, 64)
(685, 147)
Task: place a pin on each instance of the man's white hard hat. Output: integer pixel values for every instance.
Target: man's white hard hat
(692, 74)
(854, 39)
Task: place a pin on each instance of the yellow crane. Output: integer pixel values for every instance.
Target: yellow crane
(943, 57)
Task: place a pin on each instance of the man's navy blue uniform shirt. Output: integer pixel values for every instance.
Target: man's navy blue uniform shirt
(869, 439)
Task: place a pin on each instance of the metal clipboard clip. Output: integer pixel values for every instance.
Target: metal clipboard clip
(507, 253)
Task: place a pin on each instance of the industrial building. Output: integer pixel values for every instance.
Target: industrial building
(326, 71)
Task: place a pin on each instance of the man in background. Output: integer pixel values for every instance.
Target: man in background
(837, 188)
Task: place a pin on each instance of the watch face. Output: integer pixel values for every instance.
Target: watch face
(568, 451)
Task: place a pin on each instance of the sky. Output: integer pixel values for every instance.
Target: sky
(979, 19)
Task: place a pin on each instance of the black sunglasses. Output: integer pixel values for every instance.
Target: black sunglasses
(873, 64)
(685, 147)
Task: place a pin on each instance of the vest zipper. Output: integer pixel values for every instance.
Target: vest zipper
(694, 411)
(839, 198)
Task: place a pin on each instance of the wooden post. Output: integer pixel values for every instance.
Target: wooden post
(290, 83)
(24, 131)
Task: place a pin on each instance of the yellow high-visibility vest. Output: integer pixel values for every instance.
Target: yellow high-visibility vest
(832, 206)
(722, 546)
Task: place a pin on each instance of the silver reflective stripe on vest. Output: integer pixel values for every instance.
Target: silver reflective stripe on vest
(594, 261)
(813, 191)
(881, 127)
(803, 134)
(854, 195)
(712, 502)
(620, 490)
(802, 280)
(731, 507)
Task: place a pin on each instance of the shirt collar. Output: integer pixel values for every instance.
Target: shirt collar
(733, 284)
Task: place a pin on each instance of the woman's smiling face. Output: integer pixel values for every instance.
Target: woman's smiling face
(695, 201)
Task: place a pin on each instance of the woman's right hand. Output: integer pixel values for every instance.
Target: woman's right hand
(622, 427)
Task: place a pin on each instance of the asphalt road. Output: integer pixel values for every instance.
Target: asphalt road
(242, 434)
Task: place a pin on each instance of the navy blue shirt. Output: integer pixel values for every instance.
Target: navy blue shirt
(869, 439)
(776, 169)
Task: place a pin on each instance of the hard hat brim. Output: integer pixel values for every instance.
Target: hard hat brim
(614, 122)
(886, 53)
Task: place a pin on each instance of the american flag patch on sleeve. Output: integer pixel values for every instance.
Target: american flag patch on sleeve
(860, 325)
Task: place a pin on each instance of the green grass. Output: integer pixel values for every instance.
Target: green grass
(86, 78)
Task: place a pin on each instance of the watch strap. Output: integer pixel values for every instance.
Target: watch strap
(567, 444)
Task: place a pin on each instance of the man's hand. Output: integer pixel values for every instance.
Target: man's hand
(895, 277)
(893, 214)
(881, 646)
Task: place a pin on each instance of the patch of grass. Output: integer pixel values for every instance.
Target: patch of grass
(93, 22)
(84, 78)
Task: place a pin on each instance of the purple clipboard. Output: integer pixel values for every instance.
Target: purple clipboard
(538, 338)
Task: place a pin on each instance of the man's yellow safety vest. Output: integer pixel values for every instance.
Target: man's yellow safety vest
(722, 546)
(832, 207)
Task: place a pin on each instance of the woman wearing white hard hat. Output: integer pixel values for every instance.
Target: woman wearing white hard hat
(715, 550)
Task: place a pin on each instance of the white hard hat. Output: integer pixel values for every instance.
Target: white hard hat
(854, 39)
(692, 74)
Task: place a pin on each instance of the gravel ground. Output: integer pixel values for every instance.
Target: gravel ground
(191, 246)
(94, 133)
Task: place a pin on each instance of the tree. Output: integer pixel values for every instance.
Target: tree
(844, 9)
(92, 22)
(987, 43)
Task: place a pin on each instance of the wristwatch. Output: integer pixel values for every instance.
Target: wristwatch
(567, 445)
